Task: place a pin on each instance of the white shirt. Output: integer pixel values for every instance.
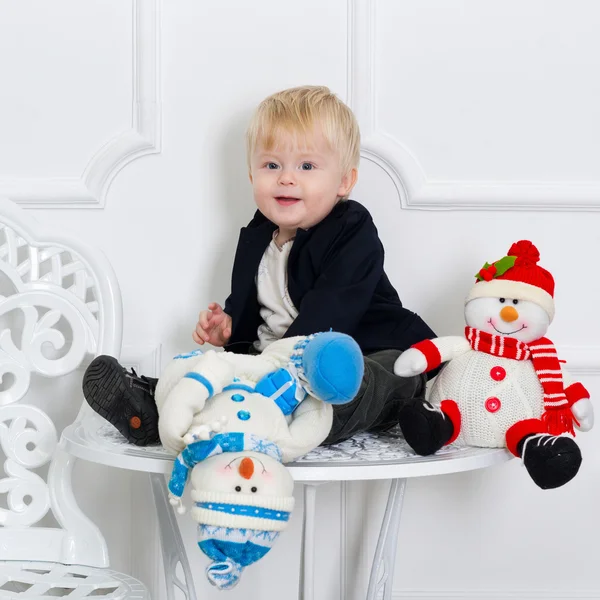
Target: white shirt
(276, 307)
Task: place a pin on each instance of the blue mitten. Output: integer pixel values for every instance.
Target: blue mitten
(282, 387)
(332, 365)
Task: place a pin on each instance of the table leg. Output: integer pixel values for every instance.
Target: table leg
(382, 570)
(173, 550)
(307, 551)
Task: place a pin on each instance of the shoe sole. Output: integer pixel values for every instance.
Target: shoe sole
(106, 390)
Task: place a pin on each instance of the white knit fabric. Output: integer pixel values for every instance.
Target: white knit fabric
(468, 380)
(451, 346)
(276, 307)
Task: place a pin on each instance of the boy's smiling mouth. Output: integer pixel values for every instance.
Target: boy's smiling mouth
(286, 200)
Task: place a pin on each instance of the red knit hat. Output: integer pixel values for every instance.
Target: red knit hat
(516, 276)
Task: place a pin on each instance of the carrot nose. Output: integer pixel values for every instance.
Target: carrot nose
(509, 314)
(246, 468)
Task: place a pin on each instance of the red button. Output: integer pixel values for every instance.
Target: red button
(492, 404)
(497, 373)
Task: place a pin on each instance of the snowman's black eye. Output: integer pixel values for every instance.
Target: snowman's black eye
(502, 300)
(253, 490)
(238, 488)
(515, 302)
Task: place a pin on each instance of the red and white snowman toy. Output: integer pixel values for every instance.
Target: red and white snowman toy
(502, 384)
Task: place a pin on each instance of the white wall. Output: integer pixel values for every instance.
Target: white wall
(480, 128)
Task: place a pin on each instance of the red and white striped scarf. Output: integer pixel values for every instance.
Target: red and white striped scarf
(557, 415)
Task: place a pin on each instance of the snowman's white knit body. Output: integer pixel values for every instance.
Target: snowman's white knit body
(492, 393)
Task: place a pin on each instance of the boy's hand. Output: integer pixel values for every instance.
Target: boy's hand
(214, 326)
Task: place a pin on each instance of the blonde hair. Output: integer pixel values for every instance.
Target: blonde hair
(297, 111)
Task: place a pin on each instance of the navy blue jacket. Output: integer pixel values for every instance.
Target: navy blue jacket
(335, 280)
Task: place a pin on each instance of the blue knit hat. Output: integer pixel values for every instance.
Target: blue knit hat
(235, 527)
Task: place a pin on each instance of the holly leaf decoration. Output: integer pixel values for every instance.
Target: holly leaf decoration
(489, 272)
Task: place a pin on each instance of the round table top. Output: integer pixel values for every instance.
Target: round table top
(364, 457)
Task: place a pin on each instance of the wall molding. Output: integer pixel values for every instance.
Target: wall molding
(581, 360)
(90, 188)
(415, 190)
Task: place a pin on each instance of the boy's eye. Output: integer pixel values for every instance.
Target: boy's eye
(272, 165)
(306, 166)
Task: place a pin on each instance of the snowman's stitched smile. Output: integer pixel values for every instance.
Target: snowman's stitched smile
(262, 464)
(506, 333)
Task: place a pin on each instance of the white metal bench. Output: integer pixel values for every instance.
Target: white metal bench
(59, 302)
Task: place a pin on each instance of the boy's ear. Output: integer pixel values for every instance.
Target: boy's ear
(348, 182)
(250, 175)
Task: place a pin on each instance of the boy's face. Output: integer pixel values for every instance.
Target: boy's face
(298, 182)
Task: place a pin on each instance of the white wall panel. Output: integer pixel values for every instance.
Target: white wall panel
(480, 128)
(79, 97)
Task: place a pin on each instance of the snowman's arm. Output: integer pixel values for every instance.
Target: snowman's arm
(310, 426)
(442, 349)
(275, 356)
(579, 401)
(249, 366)
(430, 354)
(214, 371)
(207, 376)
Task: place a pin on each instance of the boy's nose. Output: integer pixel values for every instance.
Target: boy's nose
(287, 178)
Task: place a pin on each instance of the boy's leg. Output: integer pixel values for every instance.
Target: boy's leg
(123, 398)
(381, 396)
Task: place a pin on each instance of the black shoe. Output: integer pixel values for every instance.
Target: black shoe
(425, 427)
(123, 399)
(551, 460)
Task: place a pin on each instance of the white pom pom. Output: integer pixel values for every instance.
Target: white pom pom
(197, 433)
(177, 503)
(219, 425)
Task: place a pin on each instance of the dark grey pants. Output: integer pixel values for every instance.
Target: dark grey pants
(380, 397)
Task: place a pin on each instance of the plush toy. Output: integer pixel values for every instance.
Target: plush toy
(243, 499)
(234, 419)
(503, 384)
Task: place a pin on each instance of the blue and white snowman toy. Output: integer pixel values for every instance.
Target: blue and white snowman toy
(234, 420)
